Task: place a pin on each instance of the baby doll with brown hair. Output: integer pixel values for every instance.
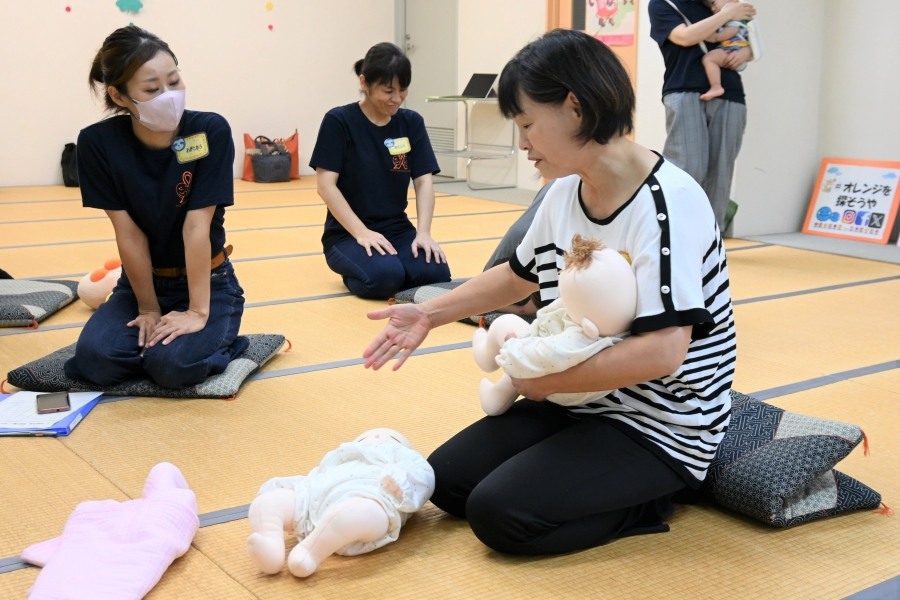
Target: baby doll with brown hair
(596, 305)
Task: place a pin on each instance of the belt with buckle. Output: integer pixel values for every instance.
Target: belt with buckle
(182, 271)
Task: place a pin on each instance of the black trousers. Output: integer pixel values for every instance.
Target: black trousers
(537, 480)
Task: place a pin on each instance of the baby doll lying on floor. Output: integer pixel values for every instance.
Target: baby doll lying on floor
(596, 305)
(355, 501)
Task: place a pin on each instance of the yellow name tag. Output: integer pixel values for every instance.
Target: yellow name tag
(397, 146)
(191, 148)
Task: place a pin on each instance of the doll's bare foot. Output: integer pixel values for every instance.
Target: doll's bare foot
(714, 92)
(267, 553)
(357, 520)
(271, 514)
(496, 398)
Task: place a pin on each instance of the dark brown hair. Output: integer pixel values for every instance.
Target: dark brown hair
(383, 63)
(123, 52)
(564, 61)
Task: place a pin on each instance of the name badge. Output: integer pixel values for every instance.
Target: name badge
(397, 145)
(190, 148)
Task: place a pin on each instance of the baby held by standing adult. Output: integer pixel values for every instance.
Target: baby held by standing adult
(732, 38)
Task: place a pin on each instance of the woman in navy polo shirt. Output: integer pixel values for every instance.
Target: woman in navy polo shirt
(164, 177)
(364, 158)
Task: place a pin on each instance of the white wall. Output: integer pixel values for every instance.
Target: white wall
(264, 82)
(650, 117)
(778, 163)
(859, 114)
(490, 33)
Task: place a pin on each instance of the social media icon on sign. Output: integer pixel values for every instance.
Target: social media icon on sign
(835, 216)
(849, 216)
(876, 221)
(862, 218)
(823, 213)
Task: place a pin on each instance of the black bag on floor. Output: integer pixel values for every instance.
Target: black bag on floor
(69, 166)
(272, 164)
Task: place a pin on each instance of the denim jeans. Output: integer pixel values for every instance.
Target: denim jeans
(380, 276)
(108, 353)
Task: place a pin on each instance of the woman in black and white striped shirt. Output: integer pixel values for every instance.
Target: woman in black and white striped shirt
(541, 478)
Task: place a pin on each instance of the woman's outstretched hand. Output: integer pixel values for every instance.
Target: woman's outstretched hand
(407, 328)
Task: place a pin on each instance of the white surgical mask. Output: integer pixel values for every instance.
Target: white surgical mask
(162, 113)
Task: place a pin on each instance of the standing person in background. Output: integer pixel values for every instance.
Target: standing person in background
(364, 158)
(702, 137)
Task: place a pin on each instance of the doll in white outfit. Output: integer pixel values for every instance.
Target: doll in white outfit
(355, 501)
(596, 305)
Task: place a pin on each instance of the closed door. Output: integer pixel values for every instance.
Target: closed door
(430, 43)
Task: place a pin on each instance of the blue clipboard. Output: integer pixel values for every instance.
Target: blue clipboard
(61, 428)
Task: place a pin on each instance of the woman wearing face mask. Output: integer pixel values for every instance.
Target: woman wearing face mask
(364, 158)
(164, 177)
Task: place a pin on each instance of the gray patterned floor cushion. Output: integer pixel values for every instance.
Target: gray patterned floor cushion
(24, 302)
(46, 374)
(425, 293)
(777, 466)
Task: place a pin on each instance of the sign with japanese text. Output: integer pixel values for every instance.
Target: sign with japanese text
(855, 200)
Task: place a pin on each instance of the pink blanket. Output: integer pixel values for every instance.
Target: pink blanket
(118, 550)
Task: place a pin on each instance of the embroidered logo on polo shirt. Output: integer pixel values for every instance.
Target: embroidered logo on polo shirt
(184, 188)
(400, 163)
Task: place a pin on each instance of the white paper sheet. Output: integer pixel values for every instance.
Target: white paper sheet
(19, 411)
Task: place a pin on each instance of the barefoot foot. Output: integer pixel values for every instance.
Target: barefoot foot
(714, 92)
(266, 552)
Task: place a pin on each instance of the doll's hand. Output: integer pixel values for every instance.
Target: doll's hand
(535, 389)
(175, 324)
(146, 322)
(426, 243)
(372, 239)
(407, 328)
(393, 489)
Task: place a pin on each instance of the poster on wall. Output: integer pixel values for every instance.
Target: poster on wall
(611, 21)
(854, 200)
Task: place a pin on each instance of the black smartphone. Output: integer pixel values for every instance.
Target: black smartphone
(51, 403)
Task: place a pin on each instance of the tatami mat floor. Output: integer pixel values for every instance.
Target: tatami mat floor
(801, 315)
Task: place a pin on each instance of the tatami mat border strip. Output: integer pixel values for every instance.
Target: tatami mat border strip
(255, 258)
(802, 386)
(341, 294)
(230, 209)
(472, 214)
(437, 194)
(14, 563)
(97, 241)
(246, 306)
(764, 245)
(886, 590)
(236, 192)
(827, 288)
(67, 275)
